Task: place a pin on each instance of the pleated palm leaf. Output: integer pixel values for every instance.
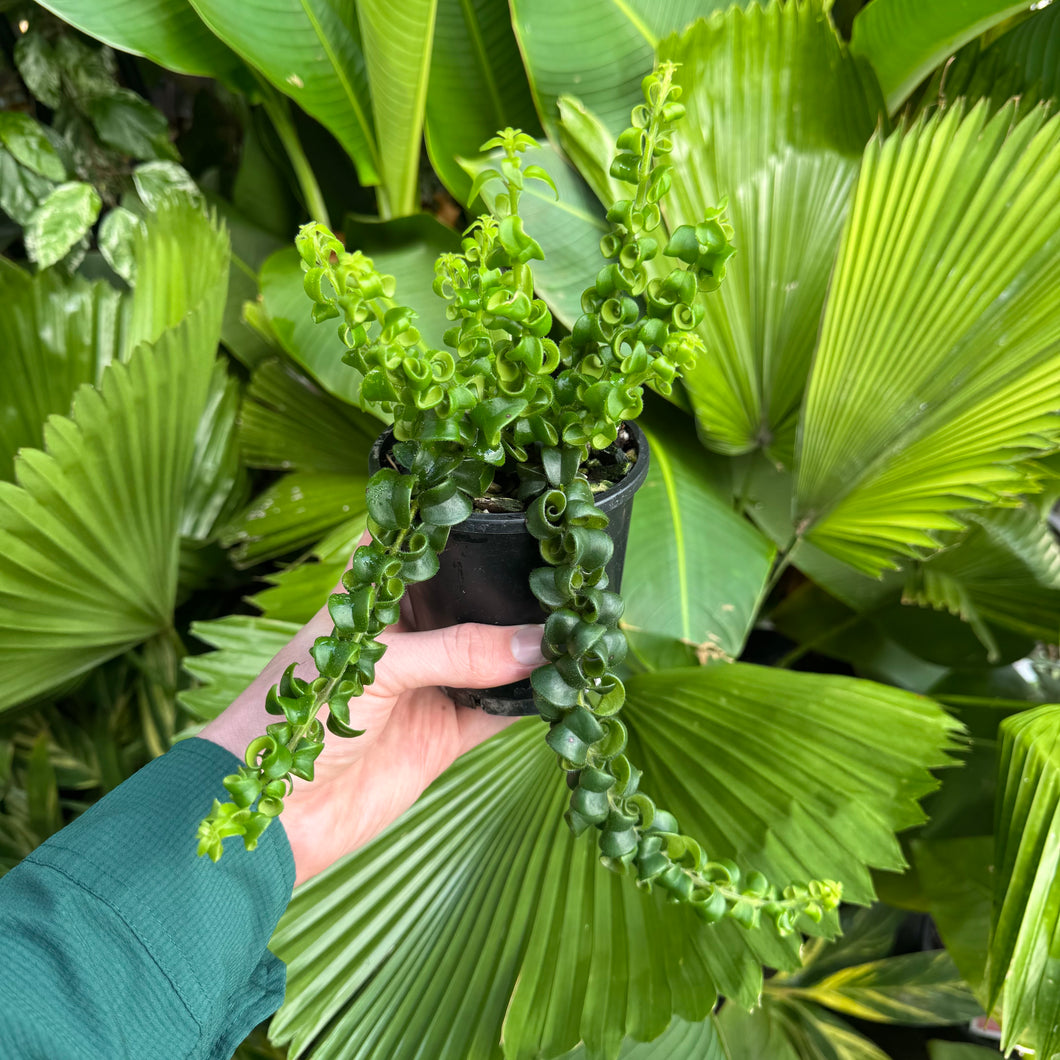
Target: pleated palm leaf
(885, 363)
(478, 927)
(113, 453)
(887, 352)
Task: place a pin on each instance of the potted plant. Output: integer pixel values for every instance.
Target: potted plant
(508, 410)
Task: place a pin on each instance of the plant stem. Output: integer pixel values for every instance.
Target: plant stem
(322, 696)
(279, 112)
(782, 564)
(647, 158)
(796, 653)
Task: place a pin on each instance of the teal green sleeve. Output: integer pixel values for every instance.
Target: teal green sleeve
(117, 941)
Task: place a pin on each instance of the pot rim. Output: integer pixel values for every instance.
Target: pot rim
(515, 522)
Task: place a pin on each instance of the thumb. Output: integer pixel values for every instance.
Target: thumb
(470, 655)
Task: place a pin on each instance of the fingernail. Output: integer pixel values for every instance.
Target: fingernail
(526, 645)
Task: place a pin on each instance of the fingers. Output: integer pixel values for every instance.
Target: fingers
(470, 655)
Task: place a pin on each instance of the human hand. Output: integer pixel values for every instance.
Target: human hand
(412, 730)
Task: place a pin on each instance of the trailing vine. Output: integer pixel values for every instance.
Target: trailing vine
(503, 394)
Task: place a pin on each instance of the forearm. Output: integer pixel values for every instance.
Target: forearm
(120, 942)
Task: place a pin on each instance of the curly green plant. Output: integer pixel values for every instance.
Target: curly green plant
(505, 399)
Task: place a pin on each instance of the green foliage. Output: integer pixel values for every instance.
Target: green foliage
(455, 420)
(879, 477)
(1016, 63)
(60, 221)
(939, 1050)
(696, 571)
(566, 220)
(57, 760)
(616, 42)
(242, 646)
(857, 976)
(779, 114)
(956, 876)
(528, 937)
(1005, 573)
(477, 85)
(90, 561)
(100, 147)
(56, 335)
(1019, 973)
(531, 941)
(915, 988)
(869, 281)
(905, 41)
(397, 52)
(166, 31)
(786, 1029)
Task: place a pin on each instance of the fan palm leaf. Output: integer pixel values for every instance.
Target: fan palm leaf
(91, 525)
(778, 116)
(938, 367)
(477, 926)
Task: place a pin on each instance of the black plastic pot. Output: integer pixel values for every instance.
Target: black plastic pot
(484, 575)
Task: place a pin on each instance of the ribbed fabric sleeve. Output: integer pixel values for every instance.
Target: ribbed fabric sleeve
(117, 941)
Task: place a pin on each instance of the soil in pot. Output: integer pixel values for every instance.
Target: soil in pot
(484, 570)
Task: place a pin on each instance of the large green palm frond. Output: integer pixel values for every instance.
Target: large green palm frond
(1004, 572)
(778, 117)
(1023, 969)
(751, 759)
(242, 646)
(938, 367)
(906, 39)
(181, 275)
(55, 335)
(323, 492)
(91, 530)
(429, 929)
(680, 1041)
(478, 920)
(217, 480)
(614, 50)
